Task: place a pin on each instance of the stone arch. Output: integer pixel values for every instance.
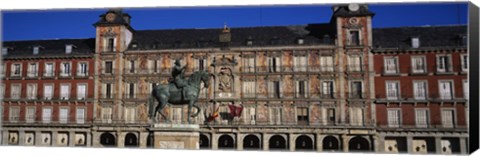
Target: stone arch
(251, 142)
(226, 142)
(277, 142)
(204, 141)
(107, 139)
(358, 143)
(131, 140)
(304, 143)
(330, 143)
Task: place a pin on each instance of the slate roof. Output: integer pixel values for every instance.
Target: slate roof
(50, 47)
(312, 34)
(343, 11)
(429, 36)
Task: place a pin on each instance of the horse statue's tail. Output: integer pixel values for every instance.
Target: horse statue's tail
(196, 113)
(151, 106)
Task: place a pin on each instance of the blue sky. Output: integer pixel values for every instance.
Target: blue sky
(34, 25)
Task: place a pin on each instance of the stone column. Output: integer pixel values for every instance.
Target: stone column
(438, 145)
(71, 138)
(409, 144)
(21, 137)
(214, 141)
(143, 139)
(96, 139)
(291, 141)
(380, 144)
(265, 142)
(88, 140)
(54, 138)
(38, 139)
(121, 139)
(319, 142)
(239, 141)
(463, 145)
(5, 136)
(345, 139)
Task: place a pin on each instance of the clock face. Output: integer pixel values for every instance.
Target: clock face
(110, 17)
(353, 7)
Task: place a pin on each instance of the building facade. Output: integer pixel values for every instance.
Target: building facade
(314, 87)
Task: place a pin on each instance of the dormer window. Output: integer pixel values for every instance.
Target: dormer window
(4, 51)
(134, 45)
(274, 40)
(415, 42)
(326, 39)
(300, 41)
(249, 41)
(464, 39)
(68, 49)
(36, 50)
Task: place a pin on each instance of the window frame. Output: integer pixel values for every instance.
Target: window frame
(386, 64)
(397, 87)
(427, 118)
(452, 90)
(413, 64)
(399, 118)
(425, 89)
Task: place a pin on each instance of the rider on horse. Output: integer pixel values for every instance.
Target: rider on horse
(178, 77)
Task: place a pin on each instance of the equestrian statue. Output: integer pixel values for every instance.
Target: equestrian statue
(179, 91)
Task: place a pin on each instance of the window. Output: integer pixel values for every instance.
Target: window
(331, 116)
(153, 66)
(443, 63)
(107, 114)
(301, 89)
(130, 115)
(81, 91)
(80, 118)
(274, 89)
(15, 91)
(16, 69)
(130, 90)
(464, 62)
(31, 91)
(47, 115)
(65, 69)
(354, 37)
(64, 91)
(356, 116)
(326, 63)
(49, 70)
(4, 51)
(14, 114)
(273, 64)
(391, 65)
(35, 50)
(448, 118)
(421, 118)
(177, 115)
(48, 91)
(201, 64)
(2, 91)
(300, 63)
(82, 69)
(32, 70)
(63, 115)
(302, 116)
(415, 42)
(132, 66)
(249, 64)
(356, 89)
(446, 90)
(394, 118)
(249, 88)
(420, 90)
(68, 49)
(418, 64)
(392, 90)
(30, 115)
(465, 89)
(249, 115)
(108, 67)
(110, 44)
(354, 63)
(327, 89)
(108, 90)
(275, 116)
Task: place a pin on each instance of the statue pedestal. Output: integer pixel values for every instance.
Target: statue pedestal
(176, 136)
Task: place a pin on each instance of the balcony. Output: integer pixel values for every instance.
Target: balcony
(81, 75)
(32, 74)
(65, 75)
(107, 71)
(146, 71)
(30, 98)
(287, 69)
(356, 95)
(424, 127)
(48, 75)
(355, 68)
(39, 122)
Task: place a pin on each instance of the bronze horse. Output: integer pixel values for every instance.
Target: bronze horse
(170, 94)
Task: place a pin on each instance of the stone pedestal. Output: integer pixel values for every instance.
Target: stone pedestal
(176, 136)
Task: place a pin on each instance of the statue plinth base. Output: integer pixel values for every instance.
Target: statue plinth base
(176, 136)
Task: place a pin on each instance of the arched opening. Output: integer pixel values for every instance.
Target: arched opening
(358, 144)
(107, 140)
(150, 140)
(304, 143)
(330, 143)
(204, 142)
(131, 140)
(277, 142)
(251, 142)
(226, 142)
